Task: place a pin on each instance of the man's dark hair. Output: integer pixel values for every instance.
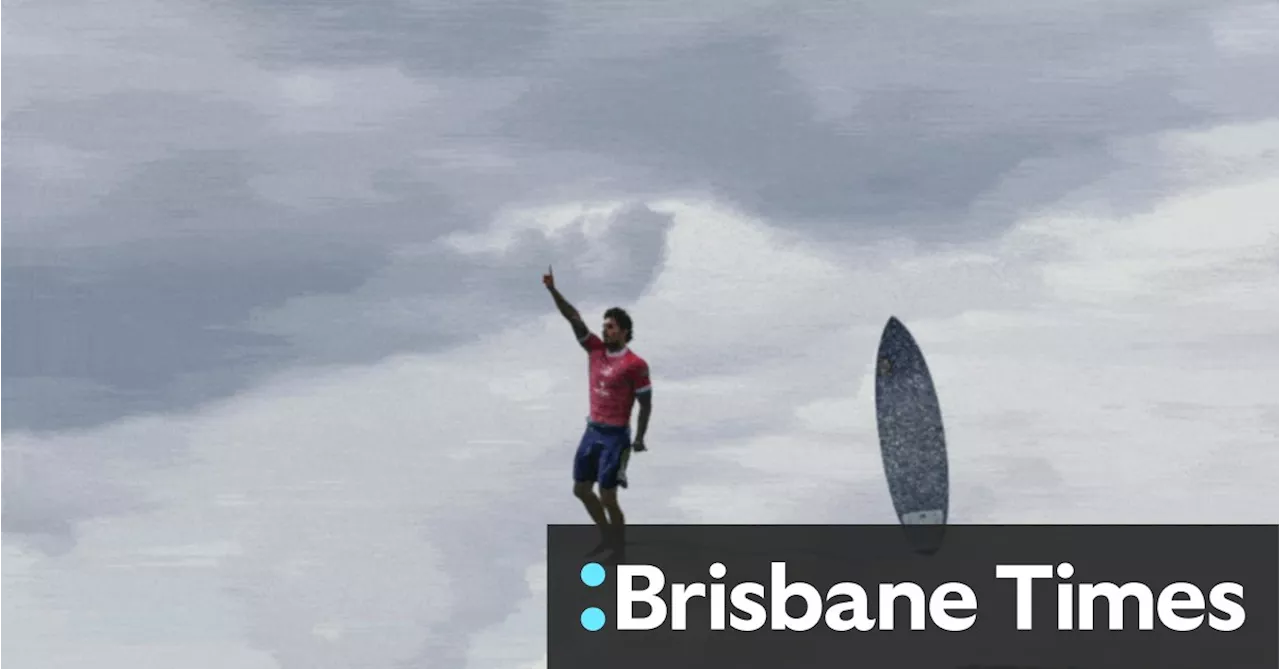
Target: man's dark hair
(620, 316)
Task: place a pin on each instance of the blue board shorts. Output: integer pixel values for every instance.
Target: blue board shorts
(602, 455)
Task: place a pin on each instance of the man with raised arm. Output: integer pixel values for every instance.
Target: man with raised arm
(618, 379)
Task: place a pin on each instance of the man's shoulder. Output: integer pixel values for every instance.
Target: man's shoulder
(636, 361)
(638, 370)
(590, 341)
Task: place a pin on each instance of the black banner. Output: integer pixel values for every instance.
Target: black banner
(815, 596)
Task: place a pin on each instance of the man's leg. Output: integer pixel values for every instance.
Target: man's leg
(617, 521)
(582, 490)
(614, 475)
(585, 472)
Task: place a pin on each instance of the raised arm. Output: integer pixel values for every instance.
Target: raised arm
(570, 314)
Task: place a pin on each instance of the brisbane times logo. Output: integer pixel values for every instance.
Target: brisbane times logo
(646, 601)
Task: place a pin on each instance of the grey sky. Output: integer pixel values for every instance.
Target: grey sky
(298, 147)
(266, 261)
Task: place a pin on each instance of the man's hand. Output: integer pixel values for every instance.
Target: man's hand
(638, 445)
(549, 279)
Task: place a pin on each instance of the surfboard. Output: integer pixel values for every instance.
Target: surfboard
(913, 445)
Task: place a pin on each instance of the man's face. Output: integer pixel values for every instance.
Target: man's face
(611, 332)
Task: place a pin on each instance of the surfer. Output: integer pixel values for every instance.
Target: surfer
(618, 379)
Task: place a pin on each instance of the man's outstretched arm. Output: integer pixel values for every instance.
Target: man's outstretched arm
(570, 314)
